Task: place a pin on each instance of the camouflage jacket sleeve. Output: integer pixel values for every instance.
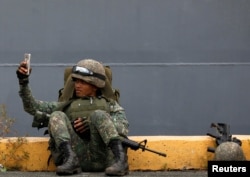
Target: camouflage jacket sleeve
(115, 107)
(31, 105)
(119, 119)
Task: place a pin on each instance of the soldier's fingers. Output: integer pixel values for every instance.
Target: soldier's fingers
(78, 120)
(80, 129)
(83, 129)
(22, 67)
(22, 70)
(77, 124)
(23, 63)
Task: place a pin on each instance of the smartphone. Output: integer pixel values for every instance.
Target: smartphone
(27, 57)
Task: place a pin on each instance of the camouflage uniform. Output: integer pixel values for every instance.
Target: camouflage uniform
(93, 153)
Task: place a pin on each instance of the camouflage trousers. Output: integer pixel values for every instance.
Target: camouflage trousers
(93, 153)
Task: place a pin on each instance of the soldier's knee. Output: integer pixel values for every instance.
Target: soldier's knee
(55, 116)
(97, 115)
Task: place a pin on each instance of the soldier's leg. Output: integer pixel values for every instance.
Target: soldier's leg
(102, 122)
(59, 129)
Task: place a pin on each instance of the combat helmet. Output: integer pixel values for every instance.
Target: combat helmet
(91, 71)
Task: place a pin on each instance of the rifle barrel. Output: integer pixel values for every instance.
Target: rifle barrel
(156, 152)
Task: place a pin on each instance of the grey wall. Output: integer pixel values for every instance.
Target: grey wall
(179, 65)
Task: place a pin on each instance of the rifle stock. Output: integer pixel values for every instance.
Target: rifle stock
(222, 135)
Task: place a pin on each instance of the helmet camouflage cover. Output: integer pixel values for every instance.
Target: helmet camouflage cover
(91, 71)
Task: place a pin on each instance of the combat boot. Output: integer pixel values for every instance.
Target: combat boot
(70, 163)
(120, 167)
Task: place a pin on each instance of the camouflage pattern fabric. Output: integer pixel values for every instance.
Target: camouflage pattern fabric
(94, 155)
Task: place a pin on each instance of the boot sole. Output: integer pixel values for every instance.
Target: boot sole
(75, 171)
(118, 174)
(121, 173)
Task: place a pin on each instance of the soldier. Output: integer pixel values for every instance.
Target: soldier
(86, 131)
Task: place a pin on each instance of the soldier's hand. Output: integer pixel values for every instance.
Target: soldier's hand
(22, 70)
(81, 125)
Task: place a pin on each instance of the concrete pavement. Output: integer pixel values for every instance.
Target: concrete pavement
(188, 173)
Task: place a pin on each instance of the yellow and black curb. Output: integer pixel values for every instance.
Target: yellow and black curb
(183, 153)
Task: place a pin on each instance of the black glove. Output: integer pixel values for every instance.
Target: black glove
(84, 133)
(23, 78)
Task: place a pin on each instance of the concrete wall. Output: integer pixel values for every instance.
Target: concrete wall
(179, 65)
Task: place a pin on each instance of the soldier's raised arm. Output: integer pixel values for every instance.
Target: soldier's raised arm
(30, 104)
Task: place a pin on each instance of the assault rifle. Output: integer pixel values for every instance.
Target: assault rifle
(221, 135)
(141, 145)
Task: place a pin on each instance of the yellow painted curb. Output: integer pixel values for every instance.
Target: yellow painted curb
(183, 152)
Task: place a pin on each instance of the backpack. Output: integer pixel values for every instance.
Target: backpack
(65, 93)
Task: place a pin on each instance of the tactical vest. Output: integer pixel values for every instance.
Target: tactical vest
(83, 107)
(80, 107)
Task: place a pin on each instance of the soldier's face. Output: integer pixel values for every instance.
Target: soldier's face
(83, 88)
